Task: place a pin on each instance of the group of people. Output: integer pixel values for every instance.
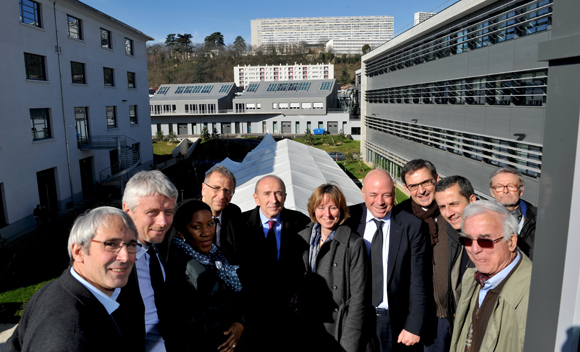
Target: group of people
(440, 271)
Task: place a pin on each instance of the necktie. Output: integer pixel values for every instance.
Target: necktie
(157, 281)
(481, 278)
(377, 264)
(215, 241)
(271, 242)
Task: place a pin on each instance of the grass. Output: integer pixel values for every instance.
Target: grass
(20, 297)
(345, 147)
(163, 148)
(400, 196)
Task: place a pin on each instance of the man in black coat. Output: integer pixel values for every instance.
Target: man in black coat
(400, 278)
(269, 251)
(79, 310)
(217, 191)
(506, 185)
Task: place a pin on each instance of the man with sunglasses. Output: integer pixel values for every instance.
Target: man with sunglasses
(506, 185)
(217, 191)
(491, 313)
(79, 311)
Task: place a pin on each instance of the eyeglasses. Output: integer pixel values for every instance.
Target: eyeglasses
(227, 192)
(510, 187)
(423, 184)
(482, 242)
(115, 246)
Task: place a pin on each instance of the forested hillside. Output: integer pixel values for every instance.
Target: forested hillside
(178, 60)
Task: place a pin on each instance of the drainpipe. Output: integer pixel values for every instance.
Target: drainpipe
(58, 53)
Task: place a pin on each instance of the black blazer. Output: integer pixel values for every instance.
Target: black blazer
(408, 273)
(65, 316)
(227, 243)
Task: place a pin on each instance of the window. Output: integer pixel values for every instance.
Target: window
(40, 124)
(109, 75)
(106, 39)
(133, 114)
(30, 13)
(131, 79)
(355, 131)
(35, 68)
(249, 127)
(111, 116)
(73, 25)
(78, 72)
(129, 46)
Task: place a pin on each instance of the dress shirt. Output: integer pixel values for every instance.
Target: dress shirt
(218, 230)
(145, 287)
(110, 303)
(370, 230)
(277, 229)
(495, 280)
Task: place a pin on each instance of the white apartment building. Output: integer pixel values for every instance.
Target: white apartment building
(319, 30)
(351, 46)
(422, 16)
(244, 75)
(75, 110)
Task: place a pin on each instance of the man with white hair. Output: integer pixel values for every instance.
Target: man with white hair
(491, 314)
(149, 199)
(79, 310)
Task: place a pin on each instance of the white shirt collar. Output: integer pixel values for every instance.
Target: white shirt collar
(110, 303)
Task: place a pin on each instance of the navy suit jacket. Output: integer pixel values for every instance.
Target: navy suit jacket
(408, 271)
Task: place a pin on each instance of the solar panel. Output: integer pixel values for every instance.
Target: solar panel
(272, 87)
(282, 87)
(293, 87)
(188, 89)
(225, 88)
(304, 86)
(326, 85)
(252, 87)
(197, 89)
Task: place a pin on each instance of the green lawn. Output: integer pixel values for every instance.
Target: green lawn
(162, 148)
(20, 296)
(347, 146)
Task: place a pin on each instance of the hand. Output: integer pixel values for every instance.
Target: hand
(235, 331)
(407, 338)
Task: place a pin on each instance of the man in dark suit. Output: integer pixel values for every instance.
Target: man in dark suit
(270, 256)
(149, 199)
(79, 310)
(400, 279)
(217, 191)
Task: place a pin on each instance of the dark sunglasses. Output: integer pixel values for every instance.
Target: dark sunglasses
(482, 242)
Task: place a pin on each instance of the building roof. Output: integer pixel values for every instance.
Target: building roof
(302, 168)
(289, 89)
(189, 91)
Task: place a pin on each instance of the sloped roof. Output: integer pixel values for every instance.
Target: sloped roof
(302, 168)
(191, 91)
(289, 89)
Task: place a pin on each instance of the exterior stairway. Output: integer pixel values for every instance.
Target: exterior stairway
(127, 149)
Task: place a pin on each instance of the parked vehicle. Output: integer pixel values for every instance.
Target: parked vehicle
(337, 156)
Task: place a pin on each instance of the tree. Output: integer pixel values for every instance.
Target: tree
(205, 136)
(159, 135)
(366, 48)
(239, 44)
(184, 42)
(172, 136)
(308, 137)
(344, 76)
(214, 40)
(214, 134)
(170, 41)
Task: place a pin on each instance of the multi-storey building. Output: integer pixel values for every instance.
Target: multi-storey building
(319, 30)
(285, 107)
(75, 108)
(422, 16)
(464, 90)
(350, 46)
(244, 75)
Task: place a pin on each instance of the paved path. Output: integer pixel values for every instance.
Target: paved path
(6, 331)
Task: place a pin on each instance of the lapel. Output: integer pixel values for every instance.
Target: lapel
(305, 234)
(396, 232)
(363, 221)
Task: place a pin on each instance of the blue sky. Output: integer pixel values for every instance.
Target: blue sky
(232, 18)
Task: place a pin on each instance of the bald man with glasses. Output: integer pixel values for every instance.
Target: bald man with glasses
(506, 185)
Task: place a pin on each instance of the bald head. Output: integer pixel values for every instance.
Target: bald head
(378, 192)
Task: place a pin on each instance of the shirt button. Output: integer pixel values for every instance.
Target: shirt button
(335, 264)
(334, 287)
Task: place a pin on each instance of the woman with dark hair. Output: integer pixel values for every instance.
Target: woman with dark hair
(207, 313)
(332, 299)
